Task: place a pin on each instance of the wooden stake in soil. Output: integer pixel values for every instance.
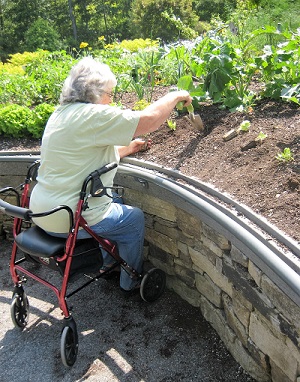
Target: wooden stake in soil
(230, 135)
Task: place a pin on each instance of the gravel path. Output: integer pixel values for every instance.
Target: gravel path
(119, 339)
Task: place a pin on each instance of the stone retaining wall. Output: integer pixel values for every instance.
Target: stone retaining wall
(12, 173)
(256, 320)
(258, 323)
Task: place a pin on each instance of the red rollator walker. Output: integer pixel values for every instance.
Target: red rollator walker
(70, 256)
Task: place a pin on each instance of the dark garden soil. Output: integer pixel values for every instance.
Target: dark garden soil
(250, 175)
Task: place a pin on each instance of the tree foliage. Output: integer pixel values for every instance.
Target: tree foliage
(206, 9)
(41, 35)
(149, 20)
(51, 24)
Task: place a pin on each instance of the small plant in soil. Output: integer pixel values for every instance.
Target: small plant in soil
(285, 156)
(244, 126)
(171, 124)
(261, 137)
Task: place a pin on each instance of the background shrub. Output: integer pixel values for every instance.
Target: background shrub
(40, 116)
(19, 121)
(14, 120)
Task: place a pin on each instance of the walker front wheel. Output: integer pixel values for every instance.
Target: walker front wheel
(69, 345)
(19, 310)
(153, 285)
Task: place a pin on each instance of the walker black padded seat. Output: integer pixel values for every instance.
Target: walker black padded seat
(39, 247)
(36, 242)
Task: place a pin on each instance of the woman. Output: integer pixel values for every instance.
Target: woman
(85, 133)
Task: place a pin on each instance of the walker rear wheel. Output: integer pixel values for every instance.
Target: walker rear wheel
(153, 285)
(19, 310)
(69, 345)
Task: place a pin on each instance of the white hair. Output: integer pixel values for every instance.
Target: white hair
(87, 81)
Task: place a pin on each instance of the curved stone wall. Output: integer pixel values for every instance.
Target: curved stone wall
(216, 265)
(248, 294)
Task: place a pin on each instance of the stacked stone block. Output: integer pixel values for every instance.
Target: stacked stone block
(258, 323)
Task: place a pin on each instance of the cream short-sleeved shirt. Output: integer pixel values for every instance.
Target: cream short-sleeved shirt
(78, 139)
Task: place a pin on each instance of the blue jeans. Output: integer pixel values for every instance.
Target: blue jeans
(124, 225)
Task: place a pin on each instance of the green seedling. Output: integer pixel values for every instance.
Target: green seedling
(179, 105)
(285, 156)
(189, 108)
(172, 124)
(244, 126)
(261, 136)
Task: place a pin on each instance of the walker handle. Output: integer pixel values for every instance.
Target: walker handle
(106, 168)
(95, 178)
(15, 211)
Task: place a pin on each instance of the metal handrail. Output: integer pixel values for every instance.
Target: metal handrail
(255, 249)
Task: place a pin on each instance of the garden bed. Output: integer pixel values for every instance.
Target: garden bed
(251, 176)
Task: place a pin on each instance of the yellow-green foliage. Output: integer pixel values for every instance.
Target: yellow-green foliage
(11, 69)
(15, 64)
(134, 45)
(20, 59)
(19, 121)
(141, 104)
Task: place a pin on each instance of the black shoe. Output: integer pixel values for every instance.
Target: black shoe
(110, 271)
(131, 292)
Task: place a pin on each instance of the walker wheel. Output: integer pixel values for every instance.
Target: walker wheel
(19, 310)
(153, 285)
(69, 345)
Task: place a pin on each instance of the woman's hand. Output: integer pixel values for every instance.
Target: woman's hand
(134, 147)
(184, 97)
(158, 112)
(140, 144)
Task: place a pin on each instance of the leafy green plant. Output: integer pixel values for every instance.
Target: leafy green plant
(176, 62)
(261, 137)
(195, 90)
(219, 68)
(15, 119)
(279, 66)
(19, 121)
(40, 116)
(220, 71)
(144, 73)
(285, 156)
(291, 93)
(141, 104)
(244, 126)
(40, 80)
(171, 124)
(21, 59)
(225, 67)
(48, 76)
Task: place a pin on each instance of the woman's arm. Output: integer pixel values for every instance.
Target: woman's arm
(134, 146)
(157, 113)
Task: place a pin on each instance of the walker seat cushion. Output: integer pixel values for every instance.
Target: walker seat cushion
(39, 247)
(37, 242)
